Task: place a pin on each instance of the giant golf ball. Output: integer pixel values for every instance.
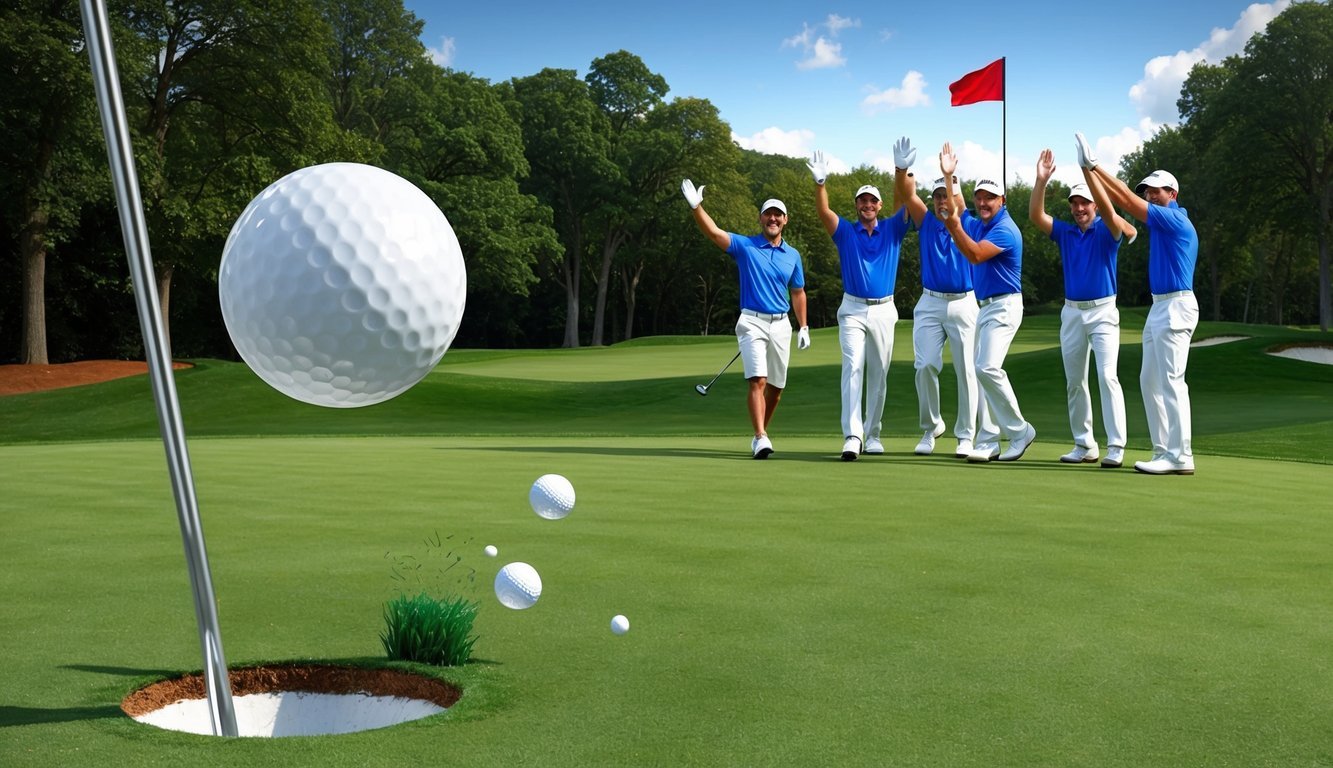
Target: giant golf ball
(518, 586)
(342, 285)
(551, 496)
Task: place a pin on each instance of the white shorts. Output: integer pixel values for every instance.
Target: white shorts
(765, 346)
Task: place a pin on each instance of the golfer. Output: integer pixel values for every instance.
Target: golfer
(868, 255)
(772, 288)
(946, 311)
(1173, 249)
(1089, 320)
(991, 241)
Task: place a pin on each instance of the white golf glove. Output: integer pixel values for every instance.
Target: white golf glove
(803, 337)
(818, 167)
(692, 196)
(904, 154)
(1086, 158)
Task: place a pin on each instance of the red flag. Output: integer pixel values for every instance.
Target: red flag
(985, 84)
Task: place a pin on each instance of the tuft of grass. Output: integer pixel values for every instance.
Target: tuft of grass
(429, 630)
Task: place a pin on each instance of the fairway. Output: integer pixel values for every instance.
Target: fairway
(898, 610)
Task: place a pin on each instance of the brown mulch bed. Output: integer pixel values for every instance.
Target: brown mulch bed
(19, 379)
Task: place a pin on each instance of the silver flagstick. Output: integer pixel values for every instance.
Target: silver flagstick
(134, 228)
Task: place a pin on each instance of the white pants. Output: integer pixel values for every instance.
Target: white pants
(935, 321)
(1166, 396)
(865, 332)
(1084, 332)
(997, 323)
(765, 345)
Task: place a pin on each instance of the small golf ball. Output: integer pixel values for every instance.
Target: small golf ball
(619, 624)
(342, 285)
(518, 586)
(491, 551)
(551, 497)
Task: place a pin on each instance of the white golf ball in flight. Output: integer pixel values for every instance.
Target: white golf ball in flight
(491, 551)
(342, 285)
(619, 624)
(551, 497)
(518, 586)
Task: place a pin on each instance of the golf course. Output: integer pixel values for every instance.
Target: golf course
(898, 610)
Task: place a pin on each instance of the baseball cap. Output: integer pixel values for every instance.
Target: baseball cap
(1158, 178)
(989, 186)
(871, 188)
(1080, 190)
(773, 202)
(939, 184)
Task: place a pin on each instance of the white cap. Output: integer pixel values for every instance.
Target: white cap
(773, 202)
(1080, 190)
(989, 186)
(870, 188)
(939, 184)
(1159, 178)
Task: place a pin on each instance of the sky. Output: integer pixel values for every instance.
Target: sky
(793, 77)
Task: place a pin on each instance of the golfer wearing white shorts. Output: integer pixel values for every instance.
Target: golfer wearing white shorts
(1089, 321)
(946, 311)
(992, 242)
(772, 288)
(1173, 250)
(868, 254)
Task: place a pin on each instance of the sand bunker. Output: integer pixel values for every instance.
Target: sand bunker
(1322, 355)
(1213, 341)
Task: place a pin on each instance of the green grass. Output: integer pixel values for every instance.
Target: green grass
(900, 610)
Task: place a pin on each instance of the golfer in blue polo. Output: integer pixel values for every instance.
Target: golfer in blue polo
(1089, 320)
(772, 288)
(868, 254)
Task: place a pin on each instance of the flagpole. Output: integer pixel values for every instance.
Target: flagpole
(1004, 124)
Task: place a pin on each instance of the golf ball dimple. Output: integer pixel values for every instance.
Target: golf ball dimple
(491, 551)
(517, 586)
(343, 268)
(551, 497)
(619, 624)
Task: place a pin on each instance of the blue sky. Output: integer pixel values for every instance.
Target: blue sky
(792, 77)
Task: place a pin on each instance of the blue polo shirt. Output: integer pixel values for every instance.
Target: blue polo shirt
(944, 268)
(1089, 259)
(1173, 248)
(1002, 273)
(766, 272)
(870, 258)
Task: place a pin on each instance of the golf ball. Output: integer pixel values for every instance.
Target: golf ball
(342, 285)
(518, 586)
(551, 497)
(491, 551)
(619, 624)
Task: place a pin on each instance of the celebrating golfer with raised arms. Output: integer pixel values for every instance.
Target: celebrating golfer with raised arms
(772, 283)
(1089, 320)
(1173, 249)
(868, 254)
(946, 311)
(992, 242)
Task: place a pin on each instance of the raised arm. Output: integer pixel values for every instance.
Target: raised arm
(1118, 192)
(695, 197)
(1119, 226)
(904, 190)
(972, 250)
(819, 169)
(1037, 205)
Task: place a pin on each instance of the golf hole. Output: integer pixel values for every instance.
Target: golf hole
(297, 700)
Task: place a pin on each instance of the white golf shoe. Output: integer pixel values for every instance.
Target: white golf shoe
(761, 447)
(964, 449)
(984, 452)
(1115, 457)
(851, 448)
(1081, 455)
(926, 445)
(874, 446)
(1019, 446)
(1165, 466)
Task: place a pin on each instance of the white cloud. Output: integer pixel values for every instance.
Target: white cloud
(824, 55)
(836, 23)
(976, 162)
(821, 52)
(793, 143)
(911, 93)
(444, 55)
(1156, 94)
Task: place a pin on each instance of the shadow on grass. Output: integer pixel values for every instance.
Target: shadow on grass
(11, 716)
(123, 671)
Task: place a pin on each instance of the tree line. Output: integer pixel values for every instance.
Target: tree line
(563, 190)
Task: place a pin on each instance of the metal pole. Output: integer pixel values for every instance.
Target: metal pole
(134, 228)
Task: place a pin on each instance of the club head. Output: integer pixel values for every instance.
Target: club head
(701, 389)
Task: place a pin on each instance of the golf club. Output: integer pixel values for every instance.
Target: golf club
(703, 388)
